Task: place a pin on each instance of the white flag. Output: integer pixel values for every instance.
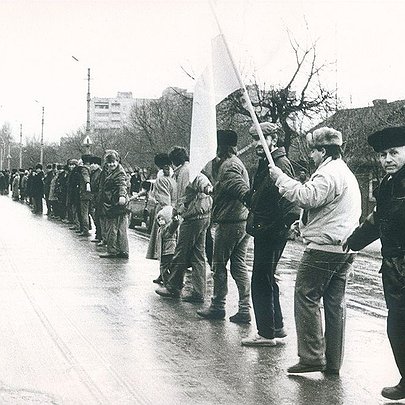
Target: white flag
(218, 80)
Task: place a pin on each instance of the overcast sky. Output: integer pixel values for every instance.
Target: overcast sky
(141, 46)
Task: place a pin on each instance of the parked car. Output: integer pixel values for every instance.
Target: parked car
(142, 207)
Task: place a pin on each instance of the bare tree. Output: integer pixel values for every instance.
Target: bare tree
(303, 96)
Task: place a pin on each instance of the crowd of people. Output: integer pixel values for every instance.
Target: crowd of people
(209, 220)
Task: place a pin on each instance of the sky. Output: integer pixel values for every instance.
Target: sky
(146, 46)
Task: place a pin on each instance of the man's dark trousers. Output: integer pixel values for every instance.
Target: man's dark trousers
(265, 291)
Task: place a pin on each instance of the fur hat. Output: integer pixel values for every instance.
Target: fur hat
(96, 160)
(72, 162)
(166, 213)
(324, 137)
(387, 138)
(111, 156)
(86, 158)
(227, 138)
(162, 159)
(268, 128)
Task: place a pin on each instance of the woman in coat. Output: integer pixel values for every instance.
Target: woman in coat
(114, 197)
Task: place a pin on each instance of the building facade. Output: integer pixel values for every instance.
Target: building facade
(112, 113)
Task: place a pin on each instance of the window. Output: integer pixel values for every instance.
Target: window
(101, 106)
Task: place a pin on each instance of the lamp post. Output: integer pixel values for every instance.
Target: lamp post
(88, 98)
(21, 166)
(41, 153)
(9, 157)
(2, 152)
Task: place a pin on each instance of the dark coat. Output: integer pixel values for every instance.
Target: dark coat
(47, 183)
(114, 187)
(84, 179)
(38, 185)
(230, 191)
(387, 222)
(271, 215)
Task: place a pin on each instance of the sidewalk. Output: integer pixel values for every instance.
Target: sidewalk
(77, 329)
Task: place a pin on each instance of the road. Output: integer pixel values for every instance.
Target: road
(77, 329)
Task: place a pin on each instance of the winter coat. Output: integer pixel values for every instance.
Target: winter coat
(114, 187)
(182, 177)
(84, 179)
(95, 177)
(47, 183)
(167, 236)
(387, 222)
(197, 201)
(164, 192)
(270, 214)
(331, 201)
(38, 185)
(230, 190)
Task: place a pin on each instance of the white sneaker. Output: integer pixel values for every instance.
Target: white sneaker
(258, 340)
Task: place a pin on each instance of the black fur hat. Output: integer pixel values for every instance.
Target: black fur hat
(387, 138)
(227, 138)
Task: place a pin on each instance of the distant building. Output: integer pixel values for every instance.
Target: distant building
(112, 113)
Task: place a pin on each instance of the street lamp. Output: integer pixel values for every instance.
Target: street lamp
(20, 167)
(41, 155)
(88, 98)
(2, 151)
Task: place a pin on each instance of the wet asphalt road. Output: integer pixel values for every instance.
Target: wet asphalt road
(77, 329)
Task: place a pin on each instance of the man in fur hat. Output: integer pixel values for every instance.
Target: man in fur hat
(332, 206)
(387, 222)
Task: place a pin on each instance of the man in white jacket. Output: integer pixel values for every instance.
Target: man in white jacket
(331, 203)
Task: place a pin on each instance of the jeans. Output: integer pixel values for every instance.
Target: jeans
(190, 249)
(116, 234)
(321, 275)
(230, 244)
(265, 290)
(396, 336)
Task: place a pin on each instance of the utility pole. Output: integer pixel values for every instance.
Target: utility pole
(9, 156)
(21, 166)
(41, 157)
(88, 103)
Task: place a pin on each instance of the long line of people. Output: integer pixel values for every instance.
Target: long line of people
(221, 206)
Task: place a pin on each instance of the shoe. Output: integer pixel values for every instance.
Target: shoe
(280, 333)
(158, 280)
(95, 240)
(240, 317)
(305, 368)
(258, 340)
(394, 393)
(108, 255)
(211, 313)
(123, 255)
(193, 298)
(164, 292)
(331, 371)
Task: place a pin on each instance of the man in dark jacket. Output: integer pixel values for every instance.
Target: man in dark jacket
(268, 222)
(50, 172)
(95, 177)
(231, 240)
(84, 194)
(387, 222)
(38, 189)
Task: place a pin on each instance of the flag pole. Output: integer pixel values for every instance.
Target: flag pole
(245, 93)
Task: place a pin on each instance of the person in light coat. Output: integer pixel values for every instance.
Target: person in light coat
(331, 203)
